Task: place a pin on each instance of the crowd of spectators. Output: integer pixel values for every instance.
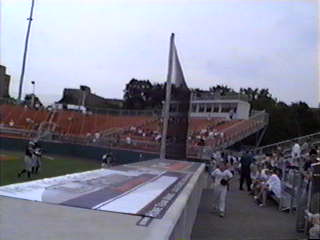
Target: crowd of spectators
(264, 173)
(209, 132)
(142, 133)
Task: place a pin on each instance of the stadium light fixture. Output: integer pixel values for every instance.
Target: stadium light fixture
(33, 87)
(25, 50)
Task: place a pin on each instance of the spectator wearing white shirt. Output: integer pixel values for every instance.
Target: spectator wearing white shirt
(221, 176)
(304, 147)
(314, 231)
(11, 123)
(296, 151)
(158, 138)
(259, 181)
(272, 186)
(128, 140)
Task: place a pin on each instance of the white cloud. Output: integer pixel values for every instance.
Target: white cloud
(104, 44)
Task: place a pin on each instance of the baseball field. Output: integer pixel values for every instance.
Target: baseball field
(52, 165)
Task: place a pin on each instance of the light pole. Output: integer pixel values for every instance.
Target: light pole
(25, 51)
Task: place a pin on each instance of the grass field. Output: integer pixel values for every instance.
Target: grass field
(12, 162)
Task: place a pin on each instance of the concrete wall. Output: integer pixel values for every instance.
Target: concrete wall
(75, 150)
(4, 82)
(243, 110)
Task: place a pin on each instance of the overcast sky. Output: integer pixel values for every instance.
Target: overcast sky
(103, 44)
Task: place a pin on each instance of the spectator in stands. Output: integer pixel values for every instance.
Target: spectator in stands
(128, 140)
(310, 160)
(217, 156)
(296, 150)
(132, 128)
(260, 178)
(97, 135)
(117, 137)
(313, 151)
(158, 138)
(245, 173)
(314, 232)
(201, 142)
(231, 161)
(253, 172)
(27, 162)
(11, 123)
(231, 114)
(271, 187)
(304, 147)
(221, 177)
(273, 160)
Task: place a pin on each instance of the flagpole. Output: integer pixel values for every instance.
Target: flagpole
(25, 51)
(167, 102)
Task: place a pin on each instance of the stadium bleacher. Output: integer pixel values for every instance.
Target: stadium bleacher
(144, 132)
(22, 117)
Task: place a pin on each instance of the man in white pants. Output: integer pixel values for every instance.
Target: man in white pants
(221, 176)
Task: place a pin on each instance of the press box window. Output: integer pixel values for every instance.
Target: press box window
(226, 108)
(201, 108)
(209, 108)
(194, 108)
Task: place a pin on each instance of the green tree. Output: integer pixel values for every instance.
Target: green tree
(223, 90)
(142, 94)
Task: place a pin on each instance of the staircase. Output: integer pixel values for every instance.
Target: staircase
(231, 135)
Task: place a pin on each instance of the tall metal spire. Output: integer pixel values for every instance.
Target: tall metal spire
(25, 50)
(175, 110)
(167, 100)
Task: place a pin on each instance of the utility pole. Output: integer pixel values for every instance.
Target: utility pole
(25, 50)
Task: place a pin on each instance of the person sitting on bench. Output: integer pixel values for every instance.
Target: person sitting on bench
(260, 179)
(271, 187)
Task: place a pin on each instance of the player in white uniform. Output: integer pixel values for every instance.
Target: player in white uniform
(107, 160)
(221, 176)
(36, 158)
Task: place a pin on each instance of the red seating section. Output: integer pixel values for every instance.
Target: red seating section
(21, 117)
(213, 131)
(67, 122)
(76, 123)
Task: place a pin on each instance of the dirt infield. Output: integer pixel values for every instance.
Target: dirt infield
(6, 157)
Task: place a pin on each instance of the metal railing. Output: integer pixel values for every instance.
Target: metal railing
(123, 112)
(288, 143)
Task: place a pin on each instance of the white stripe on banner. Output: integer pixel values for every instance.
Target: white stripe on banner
(133, 202)
(33, 190)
